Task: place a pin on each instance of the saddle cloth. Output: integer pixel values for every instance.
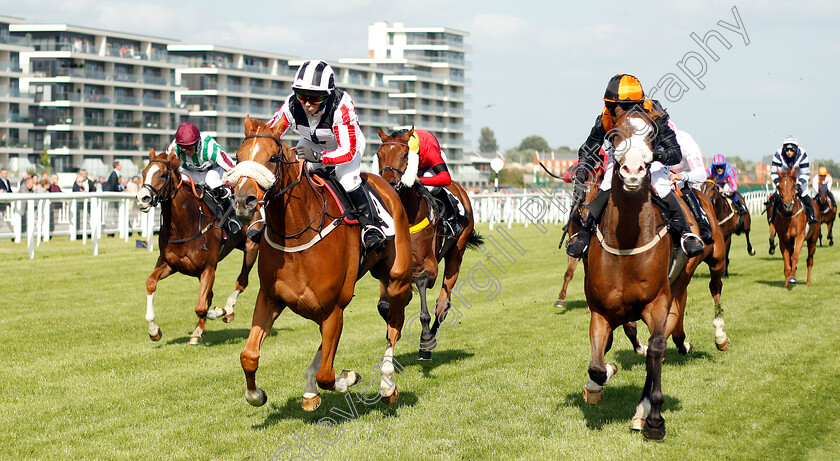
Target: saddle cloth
(343, 202)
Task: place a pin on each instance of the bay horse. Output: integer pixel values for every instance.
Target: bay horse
(828, 212)
(190, 241)
(311, 261)
(429, 243)
(793, 229)
(728, 219)
(627, 271)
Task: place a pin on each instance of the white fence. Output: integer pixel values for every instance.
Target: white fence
(80, 215)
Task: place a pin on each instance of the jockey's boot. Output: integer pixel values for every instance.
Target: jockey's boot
(691, 244)
(808, 204)
(699, 214)
(255, 235)
(596, 208)
(739, 205)
(372, 236)
(771, 207)
(450, 210)
(223, 195)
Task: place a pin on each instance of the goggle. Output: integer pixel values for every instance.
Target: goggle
(790, 147)
(311, 99)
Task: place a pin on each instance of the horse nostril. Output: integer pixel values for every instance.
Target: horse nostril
(251, 201)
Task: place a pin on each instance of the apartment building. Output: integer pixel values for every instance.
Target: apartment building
(15, 123)
(89, 96)
(428, 66)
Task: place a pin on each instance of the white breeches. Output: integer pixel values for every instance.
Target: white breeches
(211, 178)
(658, 178)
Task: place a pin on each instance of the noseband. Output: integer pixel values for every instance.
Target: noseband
(279, 159)
(390, 168)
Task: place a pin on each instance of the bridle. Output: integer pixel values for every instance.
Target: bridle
(156, 193)
(399, 184)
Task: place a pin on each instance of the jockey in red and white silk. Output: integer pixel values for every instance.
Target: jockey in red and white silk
(427, 160)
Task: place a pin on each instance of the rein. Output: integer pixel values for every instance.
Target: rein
(390, 168)
(172, 192)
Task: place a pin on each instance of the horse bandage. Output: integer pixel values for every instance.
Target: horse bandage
(250, 169)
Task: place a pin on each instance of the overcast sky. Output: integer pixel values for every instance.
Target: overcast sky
(540, 68)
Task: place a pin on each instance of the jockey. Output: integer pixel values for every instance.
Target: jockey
(427, 162)
(203, 161)
(822, 185)
(723, 174)
(325, 118)
(625, 92)
(789, 158)
(688, 174)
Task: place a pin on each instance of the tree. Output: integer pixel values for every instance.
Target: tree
(45, 161)
(536, 143)
(487, 141)
(519, 156)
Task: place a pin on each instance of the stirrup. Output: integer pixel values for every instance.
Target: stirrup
(574, 249)
(685, 244)
(372, 238)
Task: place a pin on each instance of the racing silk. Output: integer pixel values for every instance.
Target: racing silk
(208, 154)
(666, 149)
(691, 167)
(431, 168)
(821, 183)
(333, 131)
(728, 179)
(782, 164)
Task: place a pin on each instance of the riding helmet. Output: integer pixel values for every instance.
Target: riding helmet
(187, 134)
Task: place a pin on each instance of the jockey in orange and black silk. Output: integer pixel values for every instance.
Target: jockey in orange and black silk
(822, 185)
(426, 162)
(625, 91)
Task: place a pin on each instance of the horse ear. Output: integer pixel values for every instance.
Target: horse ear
(151, 154)
(173, 160)
(248, 123)
(410, 132)
(382, 135)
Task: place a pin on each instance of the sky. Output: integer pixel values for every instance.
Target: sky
(540, 68)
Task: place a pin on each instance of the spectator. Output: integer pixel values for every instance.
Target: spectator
(53, 186)
(98, 184)
(27, 185)
(42, 186)
(83, 184)
(5, 185)
(112, 184)
(123, 183)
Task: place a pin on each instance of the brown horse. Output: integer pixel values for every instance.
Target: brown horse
(828, 212)
(728, 219)
(429, 244)
(627, 271)
(190, 241)
(793, 229)
(311, 260)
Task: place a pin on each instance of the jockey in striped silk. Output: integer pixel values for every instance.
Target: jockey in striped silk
(792, 157)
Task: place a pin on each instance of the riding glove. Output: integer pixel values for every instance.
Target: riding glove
(308, 154)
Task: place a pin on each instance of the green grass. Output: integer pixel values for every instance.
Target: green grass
(82, 380)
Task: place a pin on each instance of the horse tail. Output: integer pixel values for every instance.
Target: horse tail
(475, 241)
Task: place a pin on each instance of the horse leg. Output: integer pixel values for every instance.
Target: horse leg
(399, 294)
(649, 408)
(812, 248)
(451, 269)
(427, 339)
(266, 312)
(747, 226)
(600, 373)
(631, 331)
(161, 271)
(772, 239)
(249, 257)
(205, 299)
(567, 278)
(786, 256)
(716, 269)
(675, 326)
(728, 247)
(830, 226)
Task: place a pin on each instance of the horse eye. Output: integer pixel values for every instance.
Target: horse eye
(405, 157)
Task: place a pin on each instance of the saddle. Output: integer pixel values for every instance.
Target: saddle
(340, 195)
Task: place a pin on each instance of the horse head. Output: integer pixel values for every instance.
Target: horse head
(397, 163)
(787, 191)
(262, 158)
(634, 130)
(159, 180)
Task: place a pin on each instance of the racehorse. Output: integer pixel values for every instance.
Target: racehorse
(793, 229)
(429, 244)
(627, 270)
(311, 260)
(728, 219)
(828, 212)
(190, 240)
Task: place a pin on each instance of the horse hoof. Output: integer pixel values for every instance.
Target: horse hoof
(228, 317)
(593, 397)
(391, 399)
(752, 252)
(685, 349)
(257, 400)
(195, 340)
(424, 355)
(560, 303)
(156, 337)
(637, 424)
(831, 243)
(792, 280)
(772, 250)
(653, 433)
(311, 403)
(724, 346)
(642, 351)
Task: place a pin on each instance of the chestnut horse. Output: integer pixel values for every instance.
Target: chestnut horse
(627, 270)
(793, 229)
(311, 261)
(728, 219)
(429, 244)
(828, 212)
(190, 241)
